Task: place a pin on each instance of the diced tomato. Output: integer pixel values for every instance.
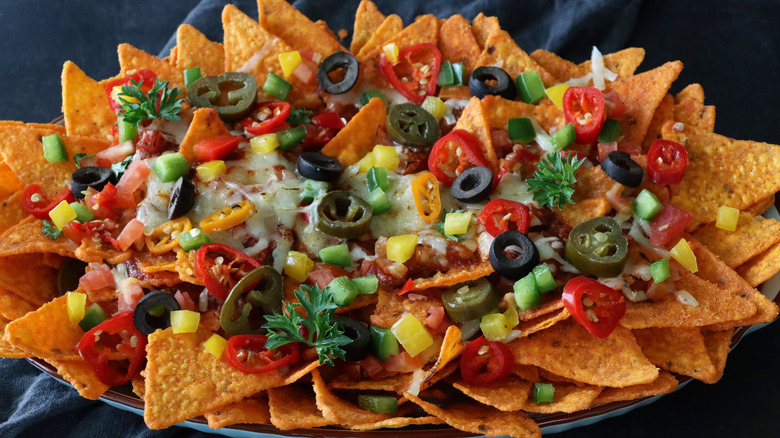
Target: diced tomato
(328, 119)
(130, 292)
(618, 202)
(614, 105)
(216, 148)
(97, 279)
(132, 231)
(184, 300)
(435, 317)
(304, 73)
(402, 363)
(114, 154)
(373, 368)
(152, 143)
(668, 224)
(131, 180)
(325, 274)
(605, 148)
(630, 148)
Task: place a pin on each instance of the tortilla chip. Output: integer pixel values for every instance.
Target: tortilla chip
(754, 235)
(642, 94)
(26, 238)
(294, 407)
(195, 50)
(29, 278)
(299, 371)
(623, 62)
(474, 119)
(132, 59)
(11, 210)
(397, 383)
(500, 47)
(575, 214)
(367, 21)
(9, 183)
(693, 112)
(560, 68)
(6, 349)
(183, 380)
(453, 276)
(246, 411)
(14, 307)
(500, 110)
(692, 91)
(282, 19)
(46, 332)
(677, 349)
(761, 206)
(507, 394)
(568, 398)
(569, 350)
(663, 113)
(81, 375)
(482, 27)
(450, 349)
(761, 267)
(470, 416)
(664, 384)
(457, 43)
(391, 307)
(397, 423)
(390, 27)
(358, 138)
(85, 105)
(718, 346)
(205, 124)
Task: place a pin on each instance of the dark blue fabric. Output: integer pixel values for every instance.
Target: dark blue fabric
(730, 47)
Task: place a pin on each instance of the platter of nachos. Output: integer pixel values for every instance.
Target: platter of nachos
(430, 228)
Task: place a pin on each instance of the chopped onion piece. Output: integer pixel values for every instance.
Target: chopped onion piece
(469, 329)
(600, 73)
(581, 81)
(542, 138)
(686, 298)
(417, 378)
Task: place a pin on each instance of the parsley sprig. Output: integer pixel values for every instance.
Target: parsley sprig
(50, 230)
(324, 334)
(138, 106)
(554, 180)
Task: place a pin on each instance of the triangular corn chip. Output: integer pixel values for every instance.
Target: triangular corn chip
(482, 27)
(205, 124)
(359, 137)
(81, 375)
(474, 119)
(507, 394)
(754, 234)
(457, 43)
(665, 383)
(132, 59)
(247, 411)
(501, 47)
(283, 20)
(195, 50)
(46, 332)
(389, 28)
(677, 349)
(85, 105)
(367, 21)
(294, 407)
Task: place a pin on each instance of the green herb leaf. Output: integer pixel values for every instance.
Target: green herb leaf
(324, 334)
(50, 230)
(554, 180)
(119, 168)
(138, 106)
(78, 157)
(299, 116)
(440, 225)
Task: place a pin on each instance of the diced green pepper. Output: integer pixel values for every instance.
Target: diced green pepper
(521, 129)
(83, 214)
(343, 290)
(291, 137)
(191, 75)
(381, 404)
(337, 255)
(54, 149)
(383, 343)
(378, 201)
(276, 86)
(659, 270)
(367, 284)
(610, 131)
(368, 95)
(170, 167)
(563, 138)
(313, 189)
(527, 293)
(94, 316)
(127, 131)
(377, 178)
(530, 87)
(646, 205)
(545, 281)
(193, 239)
(543, 393)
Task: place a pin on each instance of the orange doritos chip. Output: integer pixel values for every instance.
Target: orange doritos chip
(11, 211)
(85, 105)
(367, 21)
(14, 307)
(283, 20)
(500, 110)
(294, 407)
(761, 267)
(507, 394)
(247, 411)
(623, 62)
(132, 59)
(754, 234)
(500, 47)
(26, 238)
(562, 69)
(205, 124)
(457, 43)
(482, 27)
(6, 349)
(474, 120)
(389, 28)
(574, 214)
(358, 138)
(664, 112)
(453, 277)
(81, 375)
(195, 50)
(664, 384)
(680, 350)
(693, 112)
(28, 277)
(568, 397)
(46, 332)
(718, 346)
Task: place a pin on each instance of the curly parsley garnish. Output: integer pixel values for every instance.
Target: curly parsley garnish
(324, 334)
(554, 180)
(50, 230)
(299, 116)
(138, 106)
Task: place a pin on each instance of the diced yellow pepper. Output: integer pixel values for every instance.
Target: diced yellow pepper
(264, 144)
(184, 321)
(412, 334)
(62, 214)
(289, 62)
(457, 223)
(116, 91)
(391, 52)
(512, 319)
(435, 106)
(684, 255)
(494, 326)
(401, 248)
(727, 218)
(367, 162)
(298, 266)
(555, 93)
(77, 303)
(211, 170)
(386, 156)
(216, 345)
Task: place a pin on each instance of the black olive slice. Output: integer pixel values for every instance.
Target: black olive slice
(318, 166)
(473, 185)
(620, 167)
(360, 335)
(504, 87)
(153, 311)
(336, 61)
(513, 268)
(69, 274)
(90, 176)
(182, 198)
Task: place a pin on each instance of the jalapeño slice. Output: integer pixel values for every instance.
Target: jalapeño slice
(598, 247)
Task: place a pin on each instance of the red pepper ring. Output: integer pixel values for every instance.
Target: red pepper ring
(287, 354)
(41, 208)
(481, 369)
(420, 83)
(519, 217)
(131, 345)
(666, 161)
(602, 316)
(280, 110)
(220, 277)
(584, 108)
(446, 163)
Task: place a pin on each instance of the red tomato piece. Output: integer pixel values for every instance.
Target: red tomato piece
(254, 351)
(102, 203)
(132, 231)
(454, 153)
(593, 305)
(323, 276)
(501, 215)
(34, 203)
(666, 161)
(97, 279)
(605, 148)
(98, 347)
(273, 114)
(328, 119)
(216, 148)
(480, 369)
(114, 154)
(614, 105)
(419, 81)
(221, 267)
(131, 180)
(584, 108)
(668, 224)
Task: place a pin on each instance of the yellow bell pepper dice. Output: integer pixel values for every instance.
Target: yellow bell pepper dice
(298, 266)
(457, 223)
(494, 326)
(391, 52)
(184, 321)
(401, 248)
(62, 214)
(387, 157)
(367, 162)
(684, 255)
(435, 106)
(412, 334)
(728, 217)
(264, 144)
(215, 345)
(289, 61)
(555, 93)
(76, 303)
(211, 170)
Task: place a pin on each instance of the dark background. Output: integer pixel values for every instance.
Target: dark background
(730, 47)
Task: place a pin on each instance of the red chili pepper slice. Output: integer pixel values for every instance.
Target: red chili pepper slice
(666, 161)
(481, 369)
(593, 305)
(584, 108)
(147, 76)
(669, 223)
(221, 267)
(40, 208)
(419, 65)
(216, 148)
(454, 153)
(501, 215)
(253, 348)
(102, 203)
(99, 347)
(277, 112)
(328, 119)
